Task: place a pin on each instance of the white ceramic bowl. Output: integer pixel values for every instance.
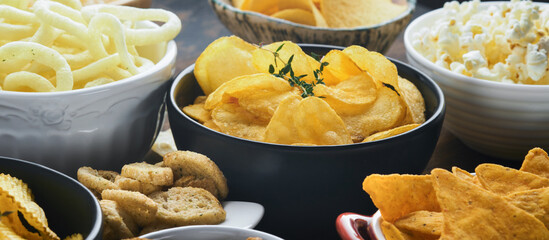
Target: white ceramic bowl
(208, 232)
(103, 127)
(498, 119)
(259, 28)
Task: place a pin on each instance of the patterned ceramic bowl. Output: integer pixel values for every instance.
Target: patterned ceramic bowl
(103, 127)
(258, 28)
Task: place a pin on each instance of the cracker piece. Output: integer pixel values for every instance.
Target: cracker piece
(188, 206)
(96, 180)
(141, 208)
(117, 222)
(187, 163)
(192, 181)
(135, 185)
(148, 173)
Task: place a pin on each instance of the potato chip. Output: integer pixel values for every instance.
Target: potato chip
(261, 6)
(236, 121)
(415, 103)
(421, 224)
(15, 197)
(536, 162)
(301, 64)
(349, 14)
(259, 83)
(503, 180)
(386, 112)
(7, 233)
(197, 112)
(319, 124)
(470, 212)
(391, 132)
(535, 202)
(296, 15)
(398, 195)
(281, 128)
(352, 96)
(340, 65)
(377, 65)
(294, 4)
(211, 68)
(306, 5)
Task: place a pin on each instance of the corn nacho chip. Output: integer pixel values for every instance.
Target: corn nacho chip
(536, 162)
(391, 232)
(398, 195)
(535, 202)
(421, 224)
(503, 180)
(470, 212)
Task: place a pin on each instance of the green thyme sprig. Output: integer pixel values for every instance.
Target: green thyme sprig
(287, 73)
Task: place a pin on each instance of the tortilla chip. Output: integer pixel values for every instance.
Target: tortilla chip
(503, 180)
(398, 195)
(536, 162)
(421, 224)
(535, 202)
(470, 212)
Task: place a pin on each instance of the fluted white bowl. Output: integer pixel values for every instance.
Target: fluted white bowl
(103, 127)
(498, 119)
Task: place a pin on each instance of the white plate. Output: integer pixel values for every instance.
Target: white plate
(242, 214)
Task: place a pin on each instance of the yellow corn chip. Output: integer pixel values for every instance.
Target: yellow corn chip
(398, 195)
(535, 202)
(470, 212)
(503, 180)
(536, 162)
(421, 224)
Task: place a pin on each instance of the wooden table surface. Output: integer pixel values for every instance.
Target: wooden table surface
(200, 27)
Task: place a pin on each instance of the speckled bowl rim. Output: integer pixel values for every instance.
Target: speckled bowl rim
(446, 73)
(437, 112)
(165, 61)
(409, 10)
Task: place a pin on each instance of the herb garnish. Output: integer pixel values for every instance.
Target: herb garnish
(295, 81)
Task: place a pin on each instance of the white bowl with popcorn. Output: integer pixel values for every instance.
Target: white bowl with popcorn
(490, 59)
(102, 103)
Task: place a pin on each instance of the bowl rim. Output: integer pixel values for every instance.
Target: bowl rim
(446, 73)
(165, 61)
(438, 111)
(96, 230)
(409, 11)
(208, 228)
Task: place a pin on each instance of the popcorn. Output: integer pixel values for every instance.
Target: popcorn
(507, 42)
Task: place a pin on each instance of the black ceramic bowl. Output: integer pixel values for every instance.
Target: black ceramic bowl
(305, 188)
(69, 207)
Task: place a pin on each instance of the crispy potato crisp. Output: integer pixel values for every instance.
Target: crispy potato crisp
(327, 13)
(277, 93)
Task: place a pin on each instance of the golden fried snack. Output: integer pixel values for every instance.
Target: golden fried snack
(155, 227)
(131, 184)
(192, 181)
(144, 172)
(140, 207)
(117, 222)
(201, 207)
(97, 180)
(187, 163)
